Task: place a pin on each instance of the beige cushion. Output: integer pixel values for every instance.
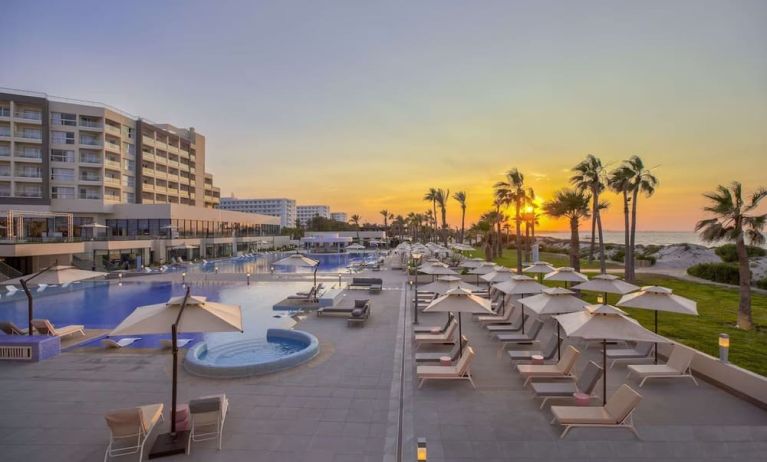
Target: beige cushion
(653, 369)
(536, 369)
(581, 415)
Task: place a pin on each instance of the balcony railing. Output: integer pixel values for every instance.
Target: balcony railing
(90, 160)
(30, 194)
(90, 141)
(5, 112)
(5, 131)
(90, 178)
(112, 146)
(112, 181)
(28, 115)
(29, 155)
(90, 123)
(91, 196)
(29, 173)
(5, 172)
(5, 152)
(29, 134)
(112, 164)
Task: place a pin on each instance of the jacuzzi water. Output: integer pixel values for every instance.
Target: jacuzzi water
(261, 350)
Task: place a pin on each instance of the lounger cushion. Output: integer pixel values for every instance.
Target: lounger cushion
(653, 369)
(360, 303)
(436, 371)
(560, 388)
(626, 353)
(539, 370)
(582, 415)
(199, 406)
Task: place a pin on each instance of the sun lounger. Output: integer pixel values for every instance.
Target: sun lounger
(616, 413)
(677, 367)
(514, 323)
(168, 343)
(547, 351)
(44, 327)
(530, 336)
(436, 356)
(586, 383)
(359, 315)
(129, 429)
(208, 415)
(433, 329)
(121, 343)
(505, 318)
(561, 369)
(344, 310)
(443, 338)
(459, 371)
(9, 328)
(12, 289)
(641, 351)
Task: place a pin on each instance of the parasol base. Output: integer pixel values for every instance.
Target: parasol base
(169, 444)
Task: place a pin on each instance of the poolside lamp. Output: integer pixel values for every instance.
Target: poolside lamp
(339, 280)
(724, 347)
(183, 278)
(421, 450)
(215, 268)
(247, 275)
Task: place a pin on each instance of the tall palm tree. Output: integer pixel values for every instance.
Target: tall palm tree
(733, 221)
(355, 219)
(493, 219)
(573, 205)
(385, 213)
(460, 197)
(619, 181)
(589, 176)
(431, 196)
(513, 191)
(441, 200)
(641, 180)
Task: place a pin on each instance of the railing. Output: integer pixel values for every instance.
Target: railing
(5, 172)
(112, 129)
(29, 173)
(90, 141)
(113, 146)
(5, 112)
(112, 181)
(30, 135)
(90, 123)
(112, 164)
(57, 195)
(28, 115)
(5, 152)
(64, 159)
(29, 155)
(89, 178)
(4, 131)
(63, 177)
(30, 194)
(90, 160)
(90, 196)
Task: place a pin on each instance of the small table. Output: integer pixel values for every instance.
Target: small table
(582, 399)
(182, 417)
(537, 359)
(445, 361)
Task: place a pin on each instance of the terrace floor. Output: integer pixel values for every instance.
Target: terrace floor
(357, 401)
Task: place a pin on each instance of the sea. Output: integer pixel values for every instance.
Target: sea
(642, 237)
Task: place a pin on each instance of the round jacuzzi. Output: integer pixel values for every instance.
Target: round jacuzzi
(280, 350)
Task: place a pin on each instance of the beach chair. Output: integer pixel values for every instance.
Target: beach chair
(44, 327)
(641, 351)
(129, 429)
(208, 415)
(505, 318)
(436, 356)
(515, 325)
(359, 315)
(168, 342)
(459, 371)
(617, 412)
(344, 310)
(121, 343)
(443, 338)
(9, 328)
(433, 329)
(677, 367)
(562, 369)
(11, 289)
(547, 351)
(530, 336)
(586, 383)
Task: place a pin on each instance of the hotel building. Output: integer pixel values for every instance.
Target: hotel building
(78, 179)
(283, 208)
(339, 216)
(305, 213)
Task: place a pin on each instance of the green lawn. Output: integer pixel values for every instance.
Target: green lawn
(509, 259)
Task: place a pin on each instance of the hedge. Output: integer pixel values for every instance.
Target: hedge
(718, 272)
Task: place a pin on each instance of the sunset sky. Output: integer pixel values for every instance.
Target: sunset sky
(365, 105)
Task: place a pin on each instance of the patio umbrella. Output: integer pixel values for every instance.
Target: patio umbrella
(180, 314)
(500, 274)
(659, 299)
(437, 269)
(520, 285)
(566, 274)
(460, 301)
(605, 322)
(552, 301)
(444, 283)
(355, 247)
(470, 263)
(540, 268)
(298, 261)
(54, 274)
(484, 268)
(606, 284)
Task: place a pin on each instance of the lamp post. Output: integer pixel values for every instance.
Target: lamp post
(248, 278)
(421, 454)
(183, 278)
(724, 347)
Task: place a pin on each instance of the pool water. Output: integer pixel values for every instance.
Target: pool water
(236, 354)
(262, 263)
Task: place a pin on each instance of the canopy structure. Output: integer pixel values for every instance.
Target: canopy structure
(472, 263)
(500, 274)
(606, 284)
(659, 299)
(540, 268)
(445, 283)
(605, 322)
(566, 275)
(460, 301)
(436, 269)
(484, 268)
(297, 260)
(519, 284)
(553, 301)
(462, 247)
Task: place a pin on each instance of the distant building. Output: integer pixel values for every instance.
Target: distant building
(283, 208)
(340, 216)
(304, 213)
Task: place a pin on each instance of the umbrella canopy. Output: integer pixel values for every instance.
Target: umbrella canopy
(607, 284)
(200, 315)
(520, 284)
(472, 263)
(460, 301)
(355, 247)
(605, 322)
(659, 299)
(566, 274)
(436, 269)
(554, 300)
(540, 267)
(446, 283)
(499, 275)
(461, 247)
(94, 226)
(296, 260)
(58, 275)
(484, 268)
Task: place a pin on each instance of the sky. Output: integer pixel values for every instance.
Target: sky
(364, 105)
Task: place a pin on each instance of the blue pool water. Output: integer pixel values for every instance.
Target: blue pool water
(103, 305)
(264, 351)
(262, 263)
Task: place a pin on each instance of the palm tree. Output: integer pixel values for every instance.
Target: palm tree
(641, 180)
(619, 181)
(493, 220)
(431, 196)
(589, 176)
(385, 213)
(573, 205)
(460, 197)
(355, 219)
(441, 200)
(733, 221)
(513, 191)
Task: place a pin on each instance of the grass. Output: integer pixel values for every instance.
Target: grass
(509, 259)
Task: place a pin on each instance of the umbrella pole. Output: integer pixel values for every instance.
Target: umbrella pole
(559, 343)
(460, 336)
(30, 304)
(604, 371)
(656, 331)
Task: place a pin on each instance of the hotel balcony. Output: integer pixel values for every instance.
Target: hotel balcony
(30, 135)
(29, 173)
(111, 164)
(29, 116)
(113, 147)
(89, 141)
(112, 181)
(5, 171)
(89, 195)
(5, 113)
(147, 141)
(111, 129)
(90, 123)
(28, 155)
(5, 132)
(149, 171)
(147, 187)
(148, 156)
(90, 178)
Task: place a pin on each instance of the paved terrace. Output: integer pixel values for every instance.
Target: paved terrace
(353, 402)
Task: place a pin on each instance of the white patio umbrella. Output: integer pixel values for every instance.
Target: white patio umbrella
(500, 274)
(437, 269)
(460, 301)
(659, 299)
(484, 268)
(540, 268)
(180, 314)
(606, 284)
(605, 322)
(520, 284)
(553, 301)
(54, 274)
(444, 283)
(297, 261)
(472, 263)
(355, 247)
(566, 274)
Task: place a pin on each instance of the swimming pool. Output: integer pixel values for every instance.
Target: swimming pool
(262, 263)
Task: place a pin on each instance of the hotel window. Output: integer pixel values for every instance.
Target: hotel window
(60, 118)
(129, 197)
(129, 181)
(129, 165)
(58, 137)
(63, 174)
(62, 192)
(62, 155)
(129, 149)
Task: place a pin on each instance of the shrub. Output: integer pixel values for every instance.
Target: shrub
(729, 253)
(618, 255)
(762, 283)
(718, 272)
(649, 258)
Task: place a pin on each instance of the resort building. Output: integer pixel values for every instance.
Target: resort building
(79, 178)
(283, 208)
(339, 216)
(304, 213)
(340, 239)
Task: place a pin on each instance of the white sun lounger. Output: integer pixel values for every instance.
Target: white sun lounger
(208, 415)
(443, 338)
(616, 413)
(677, 367)
(44, 327)
(121, 343)
(459, 371)
(168, 343)
(130, 428)
(562, 369)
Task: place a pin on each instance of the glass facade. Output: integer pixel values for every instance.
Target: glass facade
(177, 229)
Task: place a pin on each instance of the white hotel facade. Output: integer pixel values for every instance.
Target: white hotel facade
(283, 208)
